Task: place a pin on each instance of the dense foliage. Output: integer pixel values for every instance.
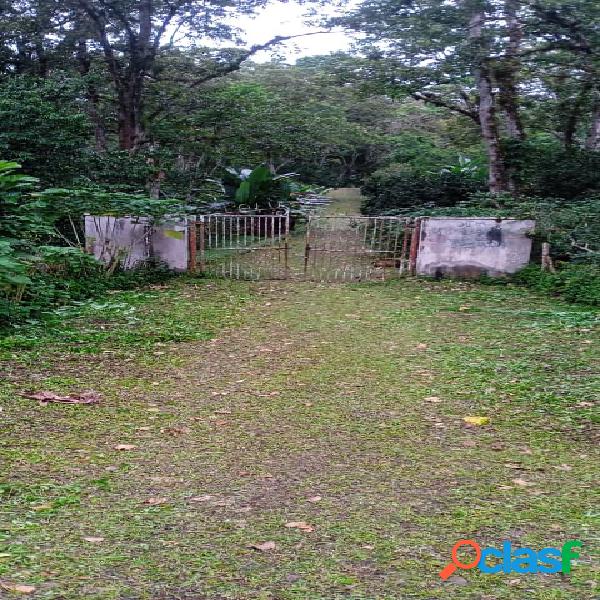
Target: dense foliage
(388, 191)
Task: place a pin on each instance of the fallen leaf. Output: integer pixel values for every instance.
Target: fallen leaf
(564, 467)
(421, 346)
(175, 430)
(155, 501)
(314, 499)
(432, 399)
(222, 411)
(585, 404)
(45, 397)
(17, 587)
(302, 525)
(469, 444)
(143, 428)
(522, 482)
(204, 498)
(125, 447)
(477, 420)
(94, 540)
(264, 547)
(41, 507)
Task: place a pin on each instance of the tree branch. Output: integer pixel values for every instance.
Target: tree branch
(436, 100)
(236, 64)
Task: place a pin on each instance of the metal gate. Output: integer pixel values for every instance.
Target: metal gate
(355, 248)
(241, 246)
(328, 248)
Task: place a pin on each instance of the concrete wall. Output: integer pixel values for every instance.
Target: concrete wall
(469, 247)
(135, 241)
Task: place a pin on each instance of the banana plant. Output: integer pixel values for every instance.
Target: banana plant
(261, 189)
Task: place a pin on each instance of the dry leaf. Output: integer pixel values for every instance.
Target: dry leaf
(522, 482)
(204, 498)
(302, 525)
(45, 397)
(125, 447)
(421, 346)
(477, 420)
(222, 411)
(264, 547)
(17, 587)
(314, 499)
(432, 399)
(143, 428)
(41, 507)
(155, 501)
(564, 467)
(94, 540)
(175, 430)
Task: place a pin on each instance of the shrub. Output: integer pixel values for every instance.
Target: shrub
(573, 282)
(546, 169)
(389, 191)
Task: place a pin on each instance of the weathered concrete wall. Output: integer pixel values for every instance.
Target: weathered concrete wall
(135, 241)
(170, 244)
(469, 247)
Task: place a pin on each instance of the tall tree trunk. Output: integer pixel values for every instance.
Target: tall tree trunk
(131, 131)
(593, 139)
(507, 73)
(92, 96)
(571, 110)
(128, 76)
(487, 104)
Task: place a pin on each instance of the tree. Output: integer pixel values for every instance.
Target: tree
(478, 58)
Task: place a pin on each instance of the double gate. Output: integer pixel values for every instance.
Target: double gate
(325, 248)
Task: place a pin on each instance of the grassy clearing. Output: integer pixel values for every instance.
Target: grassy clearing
(246, 401)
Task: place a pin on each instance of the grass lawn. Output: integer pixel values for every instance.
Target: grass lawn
(246, 406)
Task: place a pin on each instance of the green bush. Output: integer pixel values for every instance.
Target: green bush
(572, 282)
(546, 169)
(51, 287)
(391, 191)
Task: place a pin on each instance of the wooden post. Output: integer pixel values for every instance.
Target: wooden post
(414, 247)
(404, 248)
(192, 246)
(202, 245)
(307, 246)
(547, 264)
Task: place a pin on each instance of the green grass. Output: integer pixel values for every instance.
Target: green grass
(253, 398)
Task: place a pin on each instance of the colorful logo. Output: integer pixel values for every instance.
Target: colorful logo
(513, 560)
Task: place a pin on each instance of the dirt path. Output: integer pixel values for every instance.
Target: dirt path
(336, 406)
